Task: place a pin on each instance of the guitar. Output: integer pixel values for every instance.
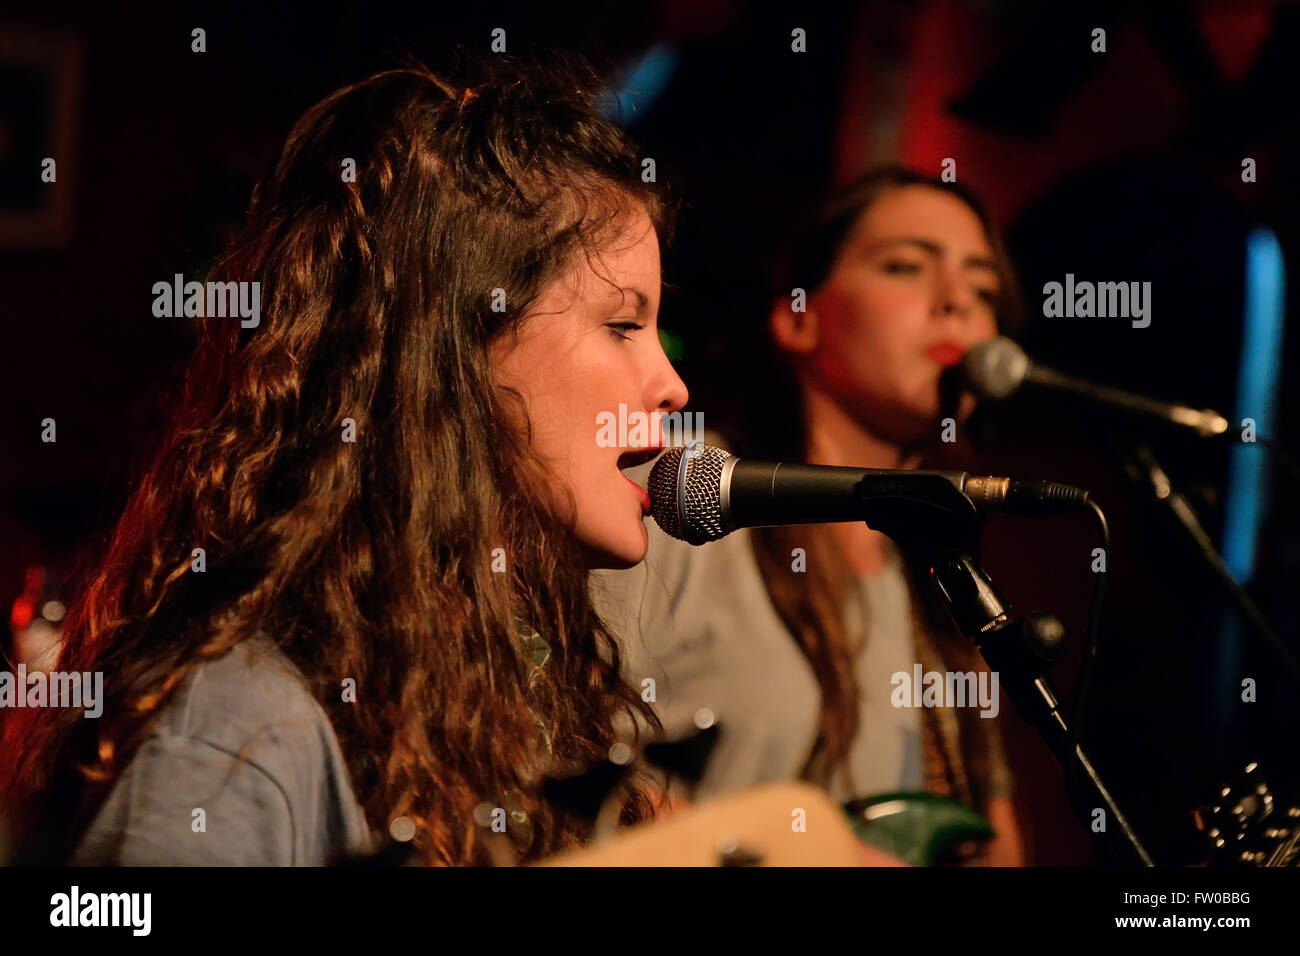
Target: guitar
(757, 828)
(915, 828)
(784, 824)
(918, 828)
(1248, 826)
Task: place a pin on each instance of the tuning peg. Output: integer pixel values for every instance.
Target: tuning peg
(687, 758)
(584, 794)
(731, 852)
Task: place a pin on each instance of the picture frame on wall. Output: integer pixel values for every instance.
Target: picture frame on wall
(40, 90)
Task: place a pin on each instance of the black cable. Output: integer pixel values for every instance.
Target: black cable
(1083, 685)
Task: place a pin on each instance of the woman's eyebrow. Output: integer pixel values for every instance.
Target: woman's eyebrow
(935, 249)
(642, 299)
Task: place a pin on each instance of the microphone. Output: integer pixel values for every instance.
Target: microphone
(700, 493)
(997, 368)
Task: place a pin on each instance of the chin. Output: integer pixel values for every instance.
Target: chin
(905, 425)
(920, 419)
(627, 551)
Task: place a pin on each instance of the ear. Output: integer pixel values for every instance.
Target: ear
(793, 331)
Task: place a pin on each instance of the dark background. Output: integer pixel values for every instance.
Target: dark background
(1123, 165)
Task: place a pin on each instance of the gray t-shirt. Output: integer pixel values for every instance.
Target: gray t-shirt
(243, 741)
(699, 622)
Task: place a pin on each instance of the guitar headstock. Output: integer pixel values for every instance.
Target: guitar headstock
(1248, 826)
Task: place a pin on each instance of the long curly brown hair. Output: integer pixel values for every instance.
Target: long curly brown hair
(372, 559)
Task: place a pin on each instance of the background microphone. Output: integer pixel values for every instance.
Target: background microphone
(701, 493)
(1000, 367)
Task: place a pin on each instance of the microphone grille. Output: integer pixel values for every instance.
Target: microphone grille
(996, 368)
(685, 486)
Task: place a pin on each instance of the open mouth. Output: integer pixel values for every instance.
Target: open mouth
(637, 456)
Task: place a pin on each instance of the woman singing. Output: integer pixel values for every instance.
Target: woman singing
(351, 587)
(792, 636)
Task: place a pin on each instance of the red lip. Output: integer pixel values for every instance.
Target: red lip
(946, 353)
(641, 493)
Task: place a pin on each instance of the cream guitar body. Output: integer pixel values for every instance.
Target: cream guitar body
(783, 824)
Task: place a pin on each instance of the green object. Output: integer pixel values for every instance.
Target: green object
(915, 827)
(674, 345)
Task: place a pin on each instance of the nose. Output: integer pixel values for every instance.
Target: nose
(665, 390)
(954, 296)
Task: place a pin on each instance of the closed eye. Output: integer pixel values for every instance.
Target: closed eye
(620, 329)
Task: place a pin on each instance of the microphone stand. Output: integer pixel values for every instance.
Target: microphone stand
(1145, 469)
(1019, 651)
(943, 531)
